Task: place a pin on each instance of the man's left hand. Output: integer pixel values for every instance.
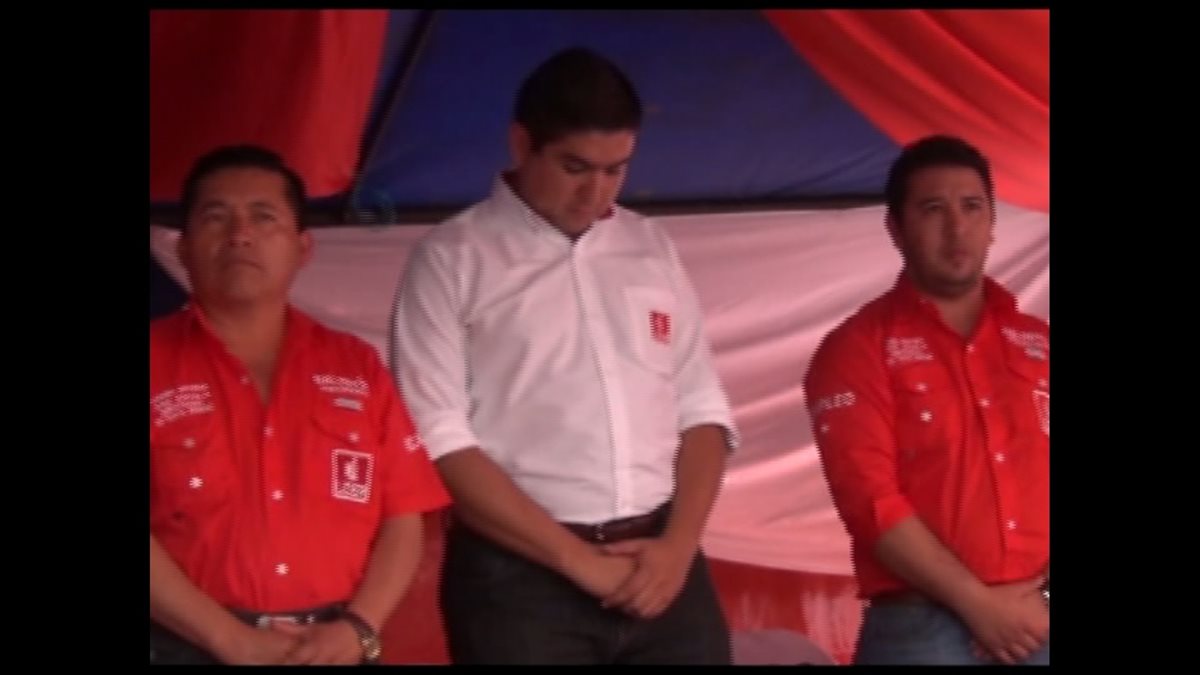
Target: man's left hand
(1021, 589)
(661, 569)
(333, 643)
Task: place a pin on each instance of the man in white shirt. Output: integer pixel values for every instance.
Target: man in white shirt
(551, 350)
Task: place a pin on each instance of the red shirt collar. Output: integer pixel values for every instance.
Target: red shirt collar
(997, 300)
(297, 329)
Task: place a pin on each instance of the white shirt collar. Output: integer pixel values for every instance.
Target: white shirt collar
(513, 204)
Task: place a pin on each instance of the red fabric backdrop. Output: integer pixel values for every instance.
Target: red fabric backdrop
(296, 81)
(980, 74)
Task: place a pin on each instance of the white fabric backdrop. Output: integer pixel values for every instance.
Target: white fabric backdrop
(772, 284)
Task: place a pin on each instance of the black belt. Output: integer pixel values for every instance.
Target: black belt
(167, 647)
(304, 617)
(636, 527)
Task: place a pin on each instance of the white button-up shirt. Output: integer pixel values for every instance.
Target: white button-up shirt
(574, 366)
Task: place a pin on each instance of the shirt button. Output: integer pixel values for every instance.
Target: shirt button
(268, 431)
(281, 569)
(824, 428)
(1012, 524)
(189, 443)
(353, 436)
(922, 387)
(245, 380)
(999, 457)
(196, 482)
(277, 495)
(926, 416)
(1043, 384)
(970, 349)
(983, 403)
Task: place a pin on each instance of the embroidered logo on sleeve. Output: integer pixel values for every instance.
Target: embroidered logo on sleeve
(660, 326)
(902, 350)
(1041, 402)
(183, 401)
(843, 400)
(352, 473)
(1036, 345)
(412, 443)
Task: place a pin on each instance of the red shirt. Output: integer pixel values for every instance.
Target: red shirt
(273, 507)
(911, 418)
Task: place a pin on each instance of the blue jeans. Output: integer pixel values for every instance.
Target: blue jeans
(921, 634)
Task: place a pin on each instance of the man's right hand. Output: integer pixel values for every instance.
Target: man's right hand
(600, 574)
(1010, 621)
(249, 646)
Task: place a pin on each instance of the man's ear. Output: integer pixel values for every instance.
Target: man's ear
(520, 144)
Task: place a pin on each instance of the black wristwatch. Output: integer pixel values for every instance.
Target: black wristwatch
(368, 639)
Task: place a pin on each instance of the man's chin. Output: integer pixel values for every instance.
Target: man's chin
(239, 294)
(947, 283)
(955, 285)
(575, 223)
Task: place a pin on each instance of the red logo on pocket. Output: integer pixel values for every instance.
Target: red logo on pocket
(660, 326)
(352, 473)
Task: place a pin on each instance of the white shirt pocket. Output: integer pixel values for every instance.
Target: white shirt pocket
(651, 331)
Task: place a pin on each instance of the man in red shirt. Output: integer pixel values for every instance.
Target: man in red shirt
(286, 479)
(931, 411)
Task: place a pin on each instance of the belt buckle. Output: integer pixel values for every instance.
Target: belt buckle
(264, 621)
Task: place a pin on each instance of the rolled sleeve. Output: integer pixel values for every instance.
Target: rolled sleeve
(701, 396)
(847, 394)
(410, 482)
(427, 352)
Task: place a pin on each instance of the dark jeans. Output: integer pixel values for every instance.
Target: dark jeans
(920, 634)
(169, 649)
(500, 608)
